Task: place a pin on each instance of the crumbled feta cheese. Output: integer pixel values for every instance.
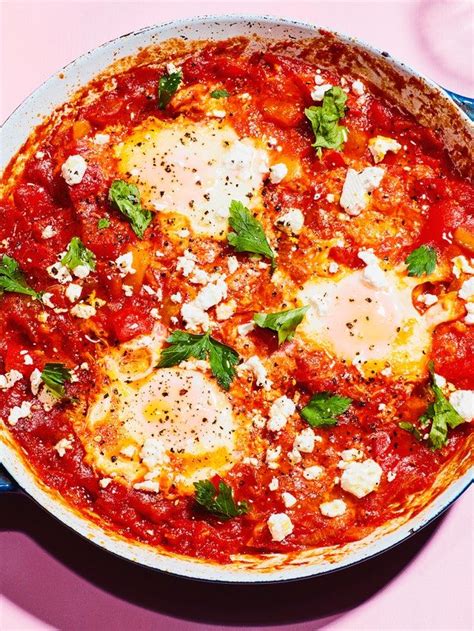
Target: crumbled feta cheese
(245, 329)
(291, 221)
(259, 421)
(391, 475)
(176, 298)
(439, 380)
(469, 319)
(104, 482)
(171, 68)
(73, 170)
(304, 441)
(155, 314)
(380, 145)
(333, 267)
(232, 264)
(81, 271)
(274, 484)
(312, 473)
(217, 113)
(278, 172)
(373, 274)
(335, 508)
(19, 411)
(27, 359)
(9, 379)
(83, 311)
(194, 316)
(47, 399)
(149, 486)
(39, 155)
(461, 264)
(153, 453)
(358, 87)
(427, 299)
(272, 456)
(361, 478)
(356, 189)
(254, 365)
(280, 526)
(349, 455)
(124, 262)
(463, 402)
(251, 461)
(318, 92)
(467, 289)
(73, 292)
(289, 500)
(65, 444)
(48, 232)
(128, 451)
(101, 139)
(211, 294)
(225, 310)
(280, 412)
(294, 456)
(59, 272)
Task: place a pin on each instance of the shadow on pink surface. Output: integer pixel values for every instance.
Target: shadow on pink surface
(60, 590)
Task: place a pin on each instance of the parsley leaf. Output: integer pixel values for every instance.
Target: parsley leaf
(77, 254)
(12, 279)
(323, 409)
(324, 120)
(249, 235)
(54, 377)
(443, 415)
(167, 86)
(104, 222)
(421, 261)
(183, 345)
(409, 427)
(220, 502)
(126, 198)
(219, 94)
(284, 322)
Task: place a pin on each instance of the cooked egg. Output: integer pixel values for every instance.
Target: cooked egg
(371, 322)
(173, 426)
(194, 169)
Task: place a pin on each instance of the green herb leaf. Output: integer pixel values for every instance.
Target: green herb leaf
(54, 377)
(421, 261)
(167, 86)
(324, 120)
(219, 94)
(183, 345)
(409, 427)
(12, 279)
(77, 254)
(284, 322)
(104, 222)
(219, 502)
(443, 416)
(126, 198)
(324, 408)
(249, 235)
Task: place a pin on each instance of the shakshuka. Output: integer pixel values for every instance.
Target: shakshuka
(236, 304)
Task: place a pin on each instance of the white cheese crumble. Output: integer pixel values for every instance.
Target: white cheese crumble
(254, 365)
(463, 402)
(101, 139)
(373, 274)
(274, 484)
(186, 263)
(278, 172)
(304, 441)
(469, 319)
(245, 329)
(48, 232)
(280, 412)
(59, 272)
(35, 381)
(9, 379)
(280, 526)
(19, 411)
(73, 292)
(128, 451)
(313, 473)
(358, 87)
(333, 267)
(65, 444)
(289, 500)
(319, 90)
(427, 299)
(73, 170)
(226, 310)
(335, 508)
(291, 221)
(294, 456)
(272, 456)
(379, 146)
(104, 482)
(467, 289)
(149, 486)
(83, 311)
(124, 263)
(232, 264)
(176, 298)
(153, 453)
(361, 478)
(357, 186)
(461, 264)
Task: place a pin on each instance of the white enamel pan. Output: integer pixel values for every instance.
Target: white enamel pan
(434, 107)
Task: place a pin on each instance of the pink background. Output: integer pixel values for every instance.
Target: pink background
(52, 579)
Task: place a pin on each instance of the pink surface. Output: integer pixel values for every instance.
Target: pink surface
(52, 579)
